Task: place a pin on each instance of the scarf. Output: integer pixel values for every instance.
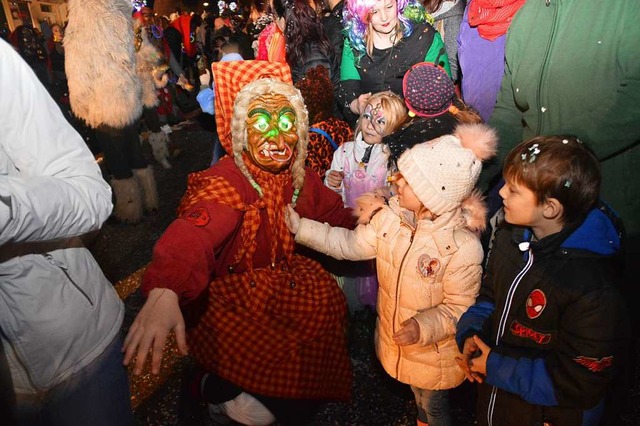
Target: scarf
(493, 17)
(201, 187)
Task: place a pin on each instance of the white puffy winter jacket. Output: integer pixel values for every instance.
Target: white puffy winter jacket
(58, 312)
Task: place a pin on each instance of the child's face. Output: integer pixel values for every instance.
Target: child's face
(521, 206)
(373, 124)
(406, 197)
(384, 16)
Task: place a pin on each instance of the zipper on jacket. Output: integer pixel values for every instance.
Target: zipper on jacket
(397, 296)
(544, 67)
(502, 325)
(63, 268)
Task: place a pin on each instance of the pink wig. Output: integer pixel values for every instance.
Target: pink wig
(355, 19)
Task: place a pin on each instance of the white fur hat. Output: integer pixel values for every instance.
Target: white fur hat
(443, 172)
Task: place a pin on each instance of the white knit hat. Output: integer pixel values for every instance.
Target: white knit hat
(443, 172)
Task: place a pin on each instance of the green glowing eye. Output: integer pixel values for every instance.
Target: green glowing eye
(285, 124)
(262, 124)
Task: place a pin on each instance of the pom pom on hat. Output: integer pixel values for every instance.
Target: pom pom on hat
(428, 90)
(443, 172)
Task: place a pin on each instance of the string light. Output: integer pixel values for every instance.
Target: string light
(139, 4)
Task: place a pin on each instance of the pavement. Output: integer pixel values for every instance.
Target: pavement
(123, 251)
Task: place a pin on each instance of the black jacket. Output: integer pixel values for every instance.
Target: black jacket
(555, 323)
(333, 28)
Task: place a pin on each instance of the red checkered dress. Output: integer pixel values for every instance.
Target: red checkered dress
(276, 330)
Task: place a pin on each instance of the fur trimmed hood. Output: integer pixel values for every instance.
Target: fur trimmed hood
(104, 88)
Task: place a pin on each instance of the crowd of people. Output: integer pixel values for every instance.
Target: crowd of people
(466, 171)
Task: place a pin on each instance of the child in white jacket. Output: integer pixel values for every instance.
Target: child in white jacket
(425, 242)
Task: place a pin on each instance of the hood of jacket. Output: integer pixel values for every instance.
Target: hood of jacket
(600, 233)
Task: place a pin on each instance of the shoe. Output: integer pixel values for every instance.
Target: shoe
(217, 414)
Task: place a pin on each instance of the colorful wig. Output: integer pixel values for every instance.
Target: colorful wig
(356, 17)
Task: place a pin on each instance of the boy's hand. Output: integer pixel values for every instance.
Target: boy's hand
(334, 178)
(292, 219)
(408, 334)
(469, 351)
(478, 363)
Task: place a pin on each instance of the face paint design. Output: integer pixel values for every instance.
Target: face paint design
(271, 132)
(373, 124)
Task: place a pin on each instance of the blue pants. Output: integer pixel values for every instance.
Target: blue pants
(433, 406)
(97, 395)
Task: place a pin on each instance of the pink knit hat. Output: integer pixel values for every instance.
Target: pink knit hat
(443, 172)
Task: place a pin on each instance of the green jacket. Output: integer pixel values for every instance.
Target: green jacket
(573, 67)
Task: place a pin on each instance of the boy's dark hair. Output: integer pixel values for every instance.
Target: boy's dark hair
(559, 167)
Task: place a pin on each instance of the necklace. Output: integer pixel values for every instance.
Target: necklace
(364, 161)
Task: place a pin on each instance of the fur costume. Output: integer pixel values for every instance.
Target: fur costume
(106, 92)
(159, 148)
(151, 69)
(99, 49)
(148, 58)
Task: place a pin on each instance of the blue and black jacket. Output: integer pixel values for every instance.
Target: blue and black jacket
(555, 322)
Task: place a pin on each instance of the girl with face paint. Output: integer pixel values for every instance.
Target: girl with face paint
(358, 167)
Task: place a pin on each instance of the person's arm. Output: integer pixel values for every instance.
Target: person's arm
(460, 286)
(336, 171)
(438, 53)
(340, 243)
(473, 321)
(58, 190)
(320, 203)
(576, 373)
(507, 120)
(624, 113)
(184, 257)
(451, 30)
(174, 64)
(180, 270)
(317, 57)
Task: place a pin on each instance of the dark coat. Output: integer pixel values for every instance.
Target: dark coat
(554, 320)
